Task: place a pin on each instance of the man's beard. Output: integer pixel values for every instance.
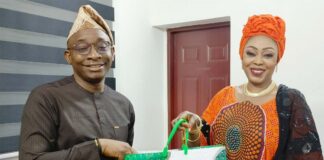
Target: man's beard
(95, 80)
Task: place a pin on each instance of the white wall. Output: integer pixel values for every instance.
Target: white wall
(140, 71)
(141, 52)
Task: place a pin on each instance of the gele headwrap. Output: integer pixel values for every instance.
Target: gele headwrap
(268, 25)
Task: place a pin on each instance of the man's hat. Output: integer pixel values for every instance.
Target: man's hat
(88, 18)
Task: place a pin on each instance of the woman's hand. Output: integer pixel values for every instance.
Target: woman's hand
(193, 123)
(114, 148)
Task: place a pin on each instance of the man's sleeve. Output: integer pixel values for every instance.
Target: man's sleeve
(131, 125)
(38, 137)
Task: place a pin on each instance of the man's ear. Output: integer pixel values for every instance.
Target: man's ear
(67, 56)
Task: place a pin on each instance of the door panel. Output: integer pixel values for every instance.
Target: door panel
(199, 67)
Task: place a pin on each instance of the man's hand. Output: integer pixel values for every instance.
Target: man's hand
(114, 148)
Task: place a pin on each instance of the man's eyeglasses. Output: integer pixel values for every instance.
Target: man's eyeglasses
(83, 48)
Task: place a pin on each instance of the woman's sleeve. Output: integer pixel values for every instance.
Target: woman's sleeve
(215, 105)
(303, 141)
(210, 113)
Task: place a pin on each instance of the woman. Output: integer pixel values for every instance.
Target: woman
(258, 119)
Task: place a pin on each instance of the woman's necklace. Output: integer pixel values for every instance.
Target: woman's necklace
(266, 91)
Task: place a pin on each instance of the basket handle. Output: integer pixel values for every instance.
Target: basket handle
(174, 130)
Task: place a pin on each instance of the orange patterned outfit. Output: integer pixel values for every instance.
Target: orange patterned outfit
(226, 97)
(250, 131)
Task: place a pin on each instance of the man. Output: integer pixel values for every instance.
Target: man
(79, 117)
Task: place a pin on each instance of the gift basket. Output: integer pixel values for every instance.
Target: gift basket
(216, 152)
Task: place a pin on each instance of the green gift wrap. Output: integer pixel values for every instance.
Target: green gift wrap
(216, 152)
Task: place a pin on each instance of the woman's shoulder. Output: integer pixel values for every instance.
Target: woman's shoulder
(286, 96)
(226, 90)
(285, 90)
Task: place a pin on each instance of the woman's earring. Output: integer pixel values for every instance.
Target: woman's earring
(276, 68)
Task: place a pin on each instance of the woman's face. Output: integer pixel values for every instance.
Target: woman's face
(259, 60)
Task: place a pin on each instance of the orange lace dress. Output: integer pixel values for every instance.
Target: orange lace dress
(247, 131)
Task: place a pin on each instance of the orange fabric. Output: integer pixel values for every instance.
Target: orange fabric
(268, 25)
(226, 97)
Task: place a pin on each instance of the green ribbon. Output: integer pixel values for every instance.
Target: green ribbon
(173, 132)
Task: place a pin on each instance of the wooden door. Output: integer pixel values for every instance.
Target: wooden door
(199, 66)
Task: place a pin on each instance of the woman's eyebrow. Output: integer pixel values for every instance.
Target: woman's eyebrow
(271, 48)
(252, 47)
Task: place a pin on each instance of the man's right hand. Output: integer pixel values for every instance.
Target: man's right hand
(114, 148)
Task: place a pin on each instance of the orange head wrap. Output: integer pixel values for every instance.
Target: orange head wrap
(268, 25)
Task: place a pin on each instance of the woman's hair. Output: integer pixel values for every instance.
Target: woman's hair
(267, 25)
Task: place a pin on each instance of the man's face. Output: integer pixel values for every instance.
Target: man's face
(90, 54)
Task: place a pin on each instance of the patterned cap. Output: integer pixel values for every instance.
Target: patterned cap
(88, 18)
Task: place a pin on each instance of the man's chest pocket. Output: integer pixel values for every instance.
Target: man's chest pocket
(121, 133)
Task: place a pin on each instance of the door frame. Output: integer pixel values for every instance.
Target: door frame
(170, 59)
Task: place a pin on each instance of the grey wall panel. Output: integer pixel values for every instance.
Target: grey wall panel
(104, 2)
(106, 11)
(8, 144)
(9, 129)
(10, 113)
(30, 22)
(25, 67)
(42, 10)
(38, 68)
(31, 53)
(29, 37)
(24, 82)
(34, 8)
(34, 38)
(111, 82)
(13, 98)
